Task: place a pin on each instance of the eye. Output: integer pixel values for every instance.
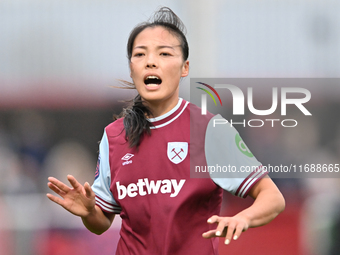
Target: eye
(138, 54)
(165, 54)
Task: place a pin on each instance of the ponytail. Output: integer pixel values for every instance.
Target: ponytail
(136, 123)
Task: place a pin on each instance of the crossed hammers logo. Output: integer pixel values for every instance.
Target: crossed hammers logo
(177, 154)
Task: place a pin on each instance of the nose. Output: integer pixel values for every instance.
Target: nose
(150, 65)
(151, 62)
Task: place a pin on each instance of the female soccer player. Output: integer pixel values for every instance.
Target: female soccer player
(143, 170)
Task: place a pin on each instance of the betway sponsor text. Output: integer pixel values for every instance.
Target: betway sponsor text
(145, 187)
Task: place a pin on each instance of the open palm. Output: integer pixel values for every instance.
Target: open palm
(79, 200)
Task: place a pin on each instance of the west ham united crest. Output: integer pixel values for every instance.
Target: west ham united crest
(177, 151)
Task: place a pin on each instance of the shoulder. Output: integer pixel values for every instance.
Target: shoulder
(116, 127)
(196, 116)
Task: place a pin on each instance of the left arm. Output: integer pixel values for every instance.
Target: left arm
(268, 203)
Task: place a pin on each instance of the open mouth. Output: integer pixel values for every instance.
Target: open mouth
(152, 80)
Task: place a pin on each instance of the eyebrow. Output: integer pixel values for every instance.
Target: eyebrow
(158, 47)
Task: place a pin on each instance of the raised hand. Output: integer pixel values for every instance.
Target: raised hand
(228, 227)
(79, 200)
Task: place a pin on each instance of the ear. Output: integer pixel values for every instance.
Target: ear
(185, 69)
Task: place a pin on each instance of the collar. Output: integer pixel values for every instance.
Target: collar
(170, 116)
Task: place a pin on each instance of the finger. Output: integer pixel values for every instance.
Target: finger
(209, 234)
(88, 190)
(59, 184)
(238, 232)
(55, 199)
(221, 227)
(230, 232)
(75, 184)
(213, 219)
(56, 189)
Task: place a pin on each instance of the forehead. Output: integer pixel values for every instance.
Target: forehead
(156, 36)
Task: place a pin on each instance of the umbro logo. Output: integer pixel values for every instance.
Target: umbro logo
(127, 158)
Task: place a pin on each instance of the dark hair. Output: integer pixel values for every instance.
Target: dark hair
(136, 123)
(166, 18)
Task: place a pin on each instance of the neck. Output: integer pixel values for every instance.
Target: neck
(160, 108)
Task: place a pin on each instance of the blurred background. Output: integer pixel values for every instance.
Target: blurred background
(58, 61)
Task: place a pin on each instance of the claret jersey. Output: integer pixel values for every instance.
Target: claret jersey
(164, 207)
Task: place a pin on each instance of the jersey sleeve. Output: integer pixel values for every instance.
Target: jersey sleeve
(102, 181)
(231, 164)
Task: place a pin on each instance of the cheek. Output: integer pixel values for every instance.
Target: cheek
(133, 71)
(176, 69)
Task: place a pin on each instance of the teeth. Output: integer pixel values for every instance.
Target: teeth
(152, 77)
(152, 80)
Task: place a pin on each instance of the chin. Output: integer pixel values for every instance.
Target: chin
(153, 99)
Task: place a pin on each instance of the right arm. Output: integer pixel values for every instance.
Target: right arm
(98, 221)
(80, 201)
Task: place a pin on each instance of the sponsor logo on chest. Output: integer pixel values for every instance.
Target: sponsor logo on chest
(145, 187)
